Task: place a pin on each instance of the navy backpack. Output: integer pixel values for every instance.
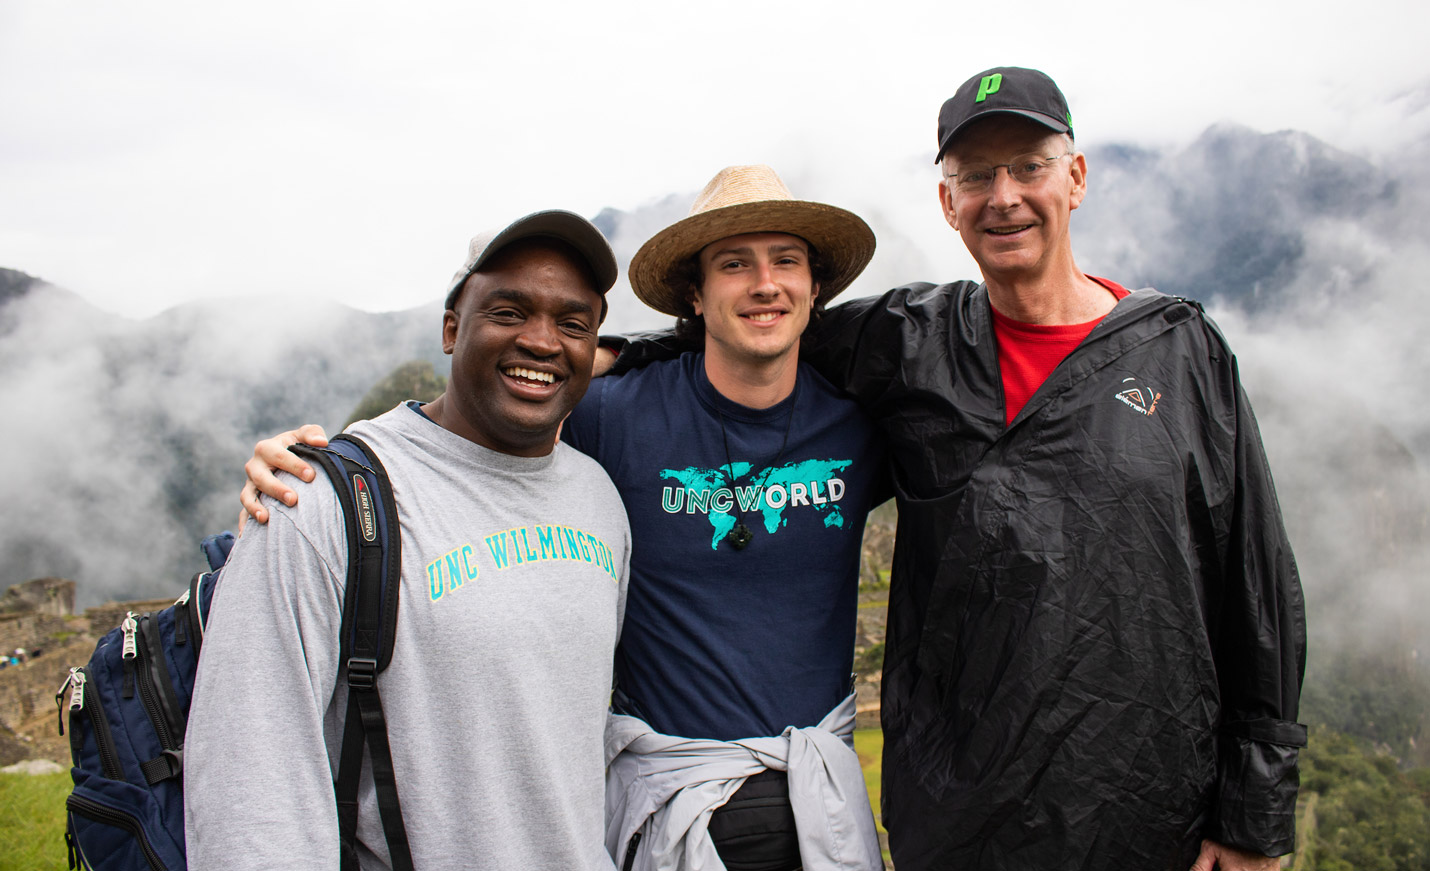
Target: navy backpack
(128, 707)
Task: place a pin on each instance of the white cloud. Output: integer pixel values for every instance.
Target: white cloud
(155, 152)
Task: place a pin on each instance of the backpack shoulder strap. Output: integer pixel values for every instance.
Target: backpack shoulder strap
(374, 548)
(369, 623)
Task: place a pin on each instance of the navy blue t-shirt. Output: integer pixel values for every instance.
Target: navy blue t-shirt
(723, 643)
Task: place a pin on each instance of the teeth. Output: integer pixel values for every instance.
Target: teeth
(1007, 231)
(764, 317)
(518, 372)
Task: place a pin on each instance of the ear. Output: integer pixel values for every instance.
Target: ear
(814, 295)
(695, 304)
(449, 331)
(1079, 177)
(945, 202)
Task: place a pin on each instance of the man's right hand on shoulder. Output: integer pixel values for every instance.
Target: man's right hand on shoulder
(605, 359)
(272, 455)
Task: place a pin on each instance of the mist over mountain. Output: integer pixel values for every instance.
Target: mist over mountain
(125, 438)
(1237, 216)
(627, 231)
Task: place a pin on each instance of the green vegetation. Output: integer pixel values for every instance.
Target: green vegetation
(869, 744)
(412, 380)
(1380, 696)
(1360, 811)
(1364, 786)
(32, 829)
(878, 583)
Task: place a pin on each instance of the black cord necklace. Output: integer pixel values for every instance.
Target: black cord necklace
(741, 535)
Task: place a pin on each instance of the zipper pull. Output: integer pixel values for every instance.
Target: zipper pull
(60, 698)
(130, 656)
(77, 694)
(181, 619)
(130, 627)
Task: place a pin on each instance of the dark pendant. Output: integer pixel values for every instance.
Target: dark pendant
(739, 536)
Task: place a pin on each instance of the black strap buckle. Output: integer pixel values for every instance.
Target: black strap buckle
(362, 673)
(169, 763)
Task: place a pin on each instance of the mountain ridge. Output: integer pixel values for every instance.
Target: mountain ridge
(135, 431)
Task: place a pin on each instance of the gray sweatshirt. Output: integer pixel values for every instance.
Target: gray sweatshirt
(666, 787)
(513, 583)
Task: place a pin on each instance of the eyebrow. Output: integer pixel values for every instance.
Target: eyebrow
(747, 250)
(573, 306)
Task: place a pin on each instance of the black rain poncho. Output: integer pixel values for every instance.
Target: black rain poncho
(1096, 634)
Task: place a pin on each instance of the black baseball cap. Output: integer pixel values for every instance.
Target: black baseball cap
(1008, 91)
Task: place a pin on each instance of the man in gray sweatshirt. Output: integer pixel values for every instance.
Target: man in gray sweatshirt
(515, 552)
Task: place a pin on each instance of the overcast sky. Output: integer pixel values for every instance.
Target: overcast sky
(158, 152)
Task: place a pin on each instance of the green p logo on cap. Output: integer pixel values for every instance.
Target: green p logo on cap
(988, 85)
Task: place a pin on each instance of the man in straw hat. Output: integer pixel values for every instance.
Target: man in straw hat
(1096, 634)
(746, 610)
(747, 479)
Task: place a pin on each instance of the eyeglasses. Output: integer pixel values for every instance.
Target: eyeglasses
(1027, 170)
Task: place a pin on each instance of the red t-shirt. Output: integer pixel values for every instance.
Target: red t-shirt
(1028, 353)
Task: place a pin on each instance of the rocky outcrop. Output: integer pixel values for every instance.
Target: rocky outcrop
(52, 596)
(37, 618)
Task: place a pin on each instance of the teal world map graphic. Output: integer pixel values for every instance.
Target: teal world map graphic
(771, 493)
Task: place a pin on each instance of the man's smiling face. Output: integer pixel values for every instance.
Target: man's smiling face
(756, 294)
(1014, 231)
(522, 336)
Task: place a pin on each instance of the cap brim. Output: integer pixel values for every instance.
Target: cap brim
(1046, 120)
(568, 227)
(842, 238)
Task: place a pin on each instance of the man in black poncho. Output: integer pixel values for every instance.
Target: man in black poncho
(1096, 633)
(1096, 638)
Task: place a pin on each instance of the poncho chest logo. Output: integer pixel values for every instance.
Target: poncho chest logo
(1137, 397)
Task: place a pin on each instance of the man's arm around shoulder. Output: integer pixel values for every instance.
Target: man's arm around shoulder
(859, 345)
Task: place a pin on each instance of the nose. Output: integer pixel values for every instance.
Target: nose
(765, 283)
(540, 337)
(1003, 191)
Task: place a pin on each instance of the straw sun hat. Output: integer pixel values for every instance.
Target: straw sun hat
(751, 199)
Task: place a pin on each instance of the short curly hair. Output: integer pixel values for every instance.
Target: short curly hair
(686, 277)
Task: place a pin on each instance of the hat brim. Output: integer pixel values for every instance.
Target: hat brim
(842, 238)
